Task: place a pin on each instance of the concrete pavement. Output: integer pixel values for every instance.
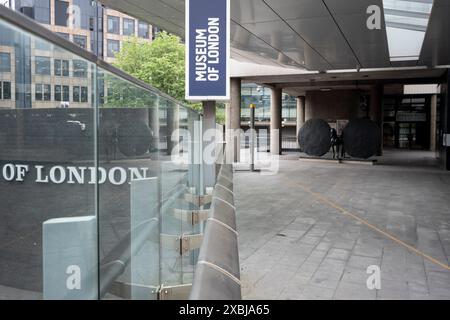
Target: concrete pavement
(296, 240)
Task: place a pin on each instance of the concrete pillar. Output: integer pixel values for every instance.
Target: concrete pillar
(233, 121)
(309, 106)
(433, 118)
(376, 111)
(209, 123)
(275, 121)
(445, 118)
(300, 112)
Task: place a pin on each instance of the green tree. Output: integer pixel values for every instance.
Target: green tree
(161, 64)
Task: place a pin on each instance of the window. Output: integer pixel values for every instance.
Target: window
(57, 93)
(76, 94)
(61, 68)
(5, 62)
(84, 94)
(128, 27)
(38, 10)
(6, 90)
(57, 67)
(42, 11)
(61, 16)
(38, 92)
(143, 30)
(42, 92)
(113, 24)
(47, 92)
(79, 94)
(66, 93)
(80, 68)
(80, 41)
(113, 47)
(65, 68)
(42, 65)
(87, 10)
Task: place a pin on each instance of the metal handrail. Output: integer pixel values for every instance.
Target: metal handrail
(217, 274)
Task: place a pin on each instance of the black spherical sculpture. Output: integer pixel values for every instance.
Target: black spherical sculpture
(314, 137)
(361, 138)
(134, 138)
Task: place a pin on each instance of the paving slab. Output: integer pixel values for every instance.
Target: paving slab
(324, 250)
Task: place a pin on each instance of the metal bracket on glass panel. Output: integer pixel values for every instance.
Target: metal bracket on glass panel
(177, 292)
(209, 190)
(124, 290)
(181, 244)
(191, 216)
(198, 200)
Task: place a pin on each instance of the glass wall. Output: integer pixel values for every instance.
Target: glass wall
(260, 96)
(407, 121)
(95, 178)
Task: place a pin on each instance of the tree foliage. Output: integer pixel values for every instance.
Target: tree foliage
(161, 64)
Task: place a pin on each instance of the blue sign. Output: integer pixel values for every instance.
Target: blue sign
(207, 49)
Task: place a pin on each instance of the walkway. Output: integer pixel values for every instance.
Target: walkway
(312, 230)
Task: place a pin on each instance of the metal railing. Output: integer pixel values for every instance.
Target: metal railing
(289, 143)
(217, 274)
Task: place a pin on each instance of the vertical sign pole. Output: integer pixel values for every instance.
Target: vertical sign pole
(252, 137)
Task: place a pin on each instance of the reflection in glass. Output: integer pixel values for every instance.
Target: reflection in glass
(90, 191)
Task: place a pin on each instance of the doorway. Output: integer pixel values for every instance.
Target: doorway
(407, 122)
